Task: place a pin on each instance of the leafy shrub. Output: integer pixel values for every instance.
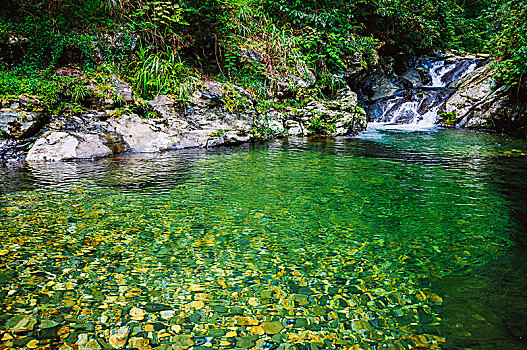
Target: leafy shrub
(510, 41)
(154, 73)
(270, 47)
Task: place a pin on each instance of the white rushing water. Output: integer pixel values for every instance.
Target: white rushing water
(417, 109)
(444, 72)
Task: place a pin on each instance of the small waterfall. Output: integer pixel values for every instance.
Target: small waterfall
(418, 107)
(412, 106)
(443, 72)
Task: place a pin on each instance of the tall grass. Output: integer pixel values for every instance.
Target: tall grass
(264, 50)
(155, 73)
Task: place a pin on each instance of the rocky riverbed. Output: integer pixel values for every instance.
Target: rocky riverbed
(288, 244)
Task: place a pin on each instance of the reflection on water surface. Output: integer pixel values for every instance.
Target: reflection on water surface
(393, 240)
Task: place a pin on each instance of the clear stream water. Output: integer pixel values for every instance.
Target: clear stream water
(392, 240)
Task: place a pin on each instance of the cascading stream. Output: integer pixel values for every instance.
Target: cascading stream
(418, 107)
(444, 72)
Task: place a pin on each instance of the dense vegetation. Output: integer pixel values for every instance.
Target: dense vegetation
(268, 47)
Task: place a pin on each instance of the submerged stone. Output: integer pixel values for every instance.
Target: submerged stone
(195, 318)
(19, 324)
(23, 341)
(140, 343)
(183, 341)
(48, 333)
(88, 326)
(306, 291)
(247, 321)
(167, 314)
(216, 332)
(246, 342)
(272, 327)
(137, 314)
(236, 310)
(300, 323)
(118, 337)
(155, 307)
(220, 309)
(91, 344)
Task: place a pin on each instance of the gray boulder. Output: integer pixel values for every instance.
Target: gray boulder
(17, 120)
(338, 117)
(295, 128)
(472, 90)
(163, 106)
(381, 86)
(122, 89)
(477, 103)
(57, 146)
(210, 96)
(142, 135)
(415, 77)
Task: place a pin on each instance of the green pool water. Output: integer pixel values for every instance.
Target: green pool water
(392, 240)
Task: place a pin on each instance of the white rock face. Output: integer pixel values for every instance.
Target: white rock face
(143, 135)
(206, 124)
(276, 126)
(91, 146)
(57, 146)
(294, 128)
(473, 89)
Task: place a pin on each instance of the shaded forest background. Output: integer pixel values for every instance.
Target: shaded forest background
(266, 47)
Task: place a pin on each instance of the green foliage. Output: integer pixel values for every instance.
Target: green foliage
(332, 53)
(271, 48)
(218, 133)
(53, 31)
(448, 118)
(262, 129)
(159, 22)
(510, 41)
(154, 73)
(235, 99)
(254, 47)
(12, 85)
(52, 95)
(320, 126)
(312, 13)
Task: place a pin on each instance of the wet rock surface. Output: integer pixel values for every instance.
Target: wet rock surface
(14, 151)
(453, 89)
(409, 106)
(379, 86)
(477, 103)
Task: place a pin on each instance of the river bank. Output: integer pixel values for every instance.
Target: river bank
(117, 121)
(206, 121)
